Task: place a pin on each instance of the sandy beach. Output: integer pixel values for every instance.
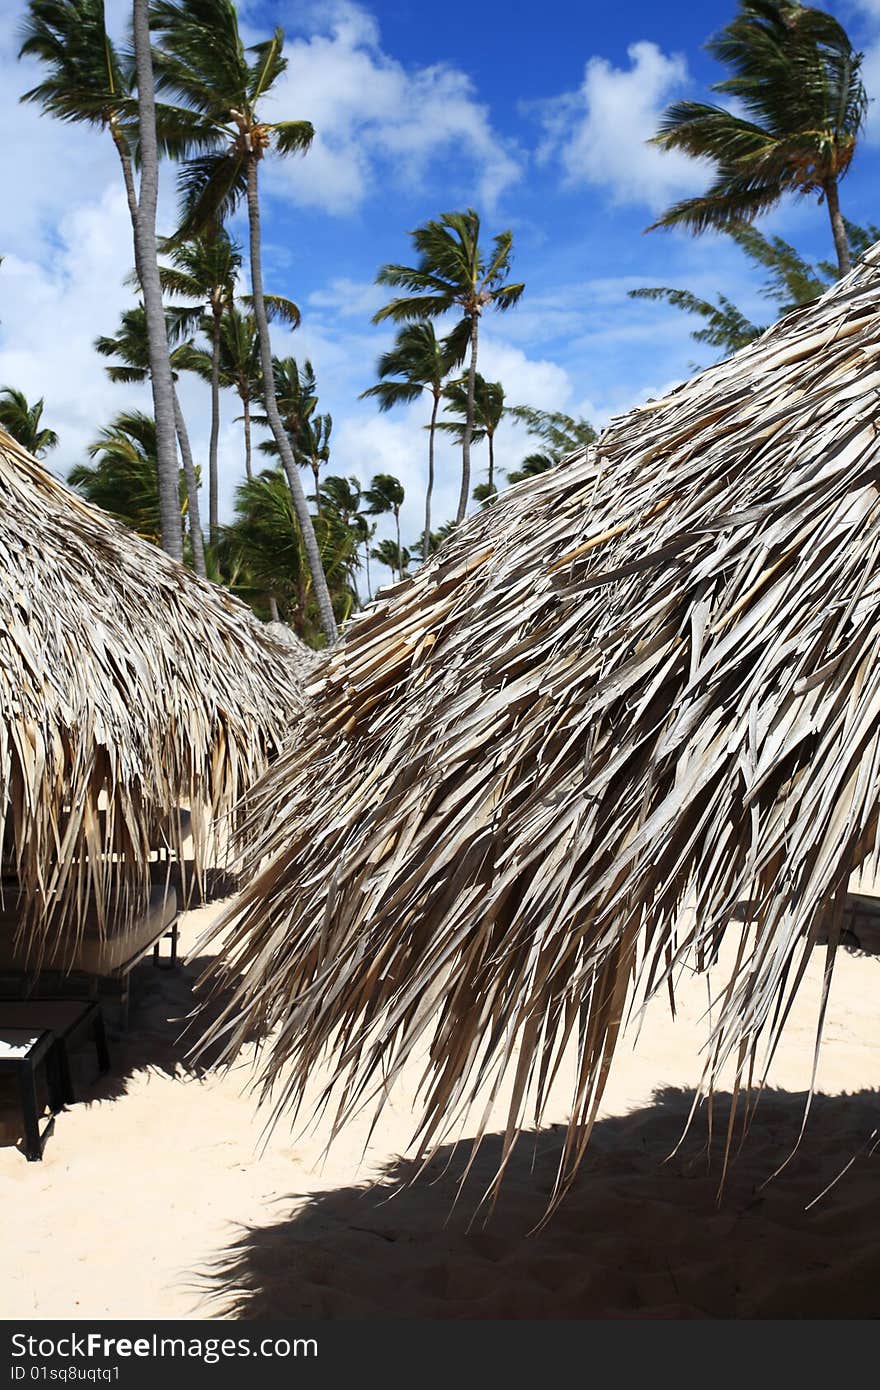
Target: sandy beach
(157, 1198)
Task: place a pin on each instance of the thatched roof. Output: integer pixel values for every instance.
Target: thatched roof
(128, 690)
(639, 690)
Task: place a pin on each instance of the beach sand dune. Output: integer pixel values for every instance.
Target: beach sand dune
(157, 1196)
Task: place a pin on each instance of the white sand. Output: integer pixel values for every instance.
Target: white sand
(154, 1201)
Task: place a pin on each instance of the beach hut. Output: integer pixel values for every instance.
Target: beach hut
(632, 706)
(137, 704)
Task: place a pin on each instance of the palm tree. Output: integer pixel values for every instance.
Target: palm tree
(203, 60)
(345, 496)
(123, 480)
(797, 83)
(147, 265)
(559, 435)
(239, 367)
(454, 275)
(205, 269)
(296, 396)
(488, 414)
(421, 362)
(385, 494)
(396, 557)
(266, 536)
(725, 326)
(130, 345)
(88, 82)
(313, 448)
(791, 282)
(22, 421)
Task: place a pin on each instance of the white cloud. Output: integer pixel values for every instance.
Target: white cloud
(50, 313)
(376, 120)
(599, 133)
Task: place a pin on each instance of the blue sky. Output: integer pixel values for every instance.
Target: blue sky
(541, 125)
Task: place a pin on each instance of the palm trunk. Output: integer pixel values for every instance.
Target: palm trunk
(192, 490)
(319, 581)
(369, 583)
(273, 609)
(491, 437)
(426, 539)
(838, 230)
(148, 271)
(127, 173)
(468, 426)
(247, 438)
(316, 468)
(399, 551)
(213, 487)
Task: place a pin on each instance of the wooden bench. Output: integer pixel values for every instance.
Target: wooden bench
(92, 957)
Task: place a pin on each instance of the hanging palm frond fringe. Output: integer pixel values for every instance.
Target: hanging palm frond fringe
(130, 692)
(635, 698)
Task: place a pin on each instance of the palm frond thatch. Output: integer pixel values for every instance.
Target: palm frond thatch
(640, 690)
(128, 691)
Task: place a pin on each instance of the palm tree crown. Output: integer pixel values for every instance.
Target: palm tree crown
(419, 361)
(801, 106)
(203, 62)
(453, 274)
(489, 411)
(22, 421)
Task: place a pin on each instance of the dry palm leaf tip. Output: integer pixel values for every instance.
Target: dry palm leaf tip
(128, 689)
(539, 777)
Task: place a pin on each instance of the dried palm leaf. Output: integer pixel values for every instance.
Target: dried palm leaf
(638, 691)
(129, 690)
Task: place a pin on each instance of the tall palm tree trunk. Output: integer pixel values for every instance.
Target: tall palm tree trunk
(432, 429)
(399, 551)
(838, 229)
(148, 271)
(310, 543)
(468, 425)
(369, 581)
(192, 489)
(213, 486)
(491, 437)
(273, 609)
(247, 437)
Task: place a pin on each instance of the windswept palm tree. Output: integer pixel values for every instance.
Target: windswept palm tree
(395, 557)
(385, 496)
(205, 270)
(203, 60)
(296, 396)
(488, 414)
(453, 274)
(792, 281)
(313, 448)
(420, 361)
(266, 536)
(130, 345)
(23, 421)
(239, 367)
(88, 82)
(559, 435)
(801, 106)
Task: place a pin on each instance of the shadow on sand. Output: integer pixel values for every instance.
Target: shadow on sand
(164, 1030)
(637, 1237)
